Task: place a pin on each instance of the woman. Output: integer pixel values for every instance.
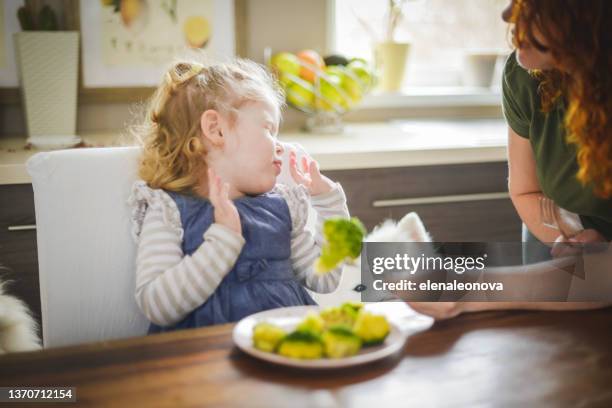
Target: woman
(557, 100)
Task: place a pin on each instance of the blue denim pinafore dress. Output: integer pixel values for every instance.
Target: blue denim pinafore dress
(262, 277)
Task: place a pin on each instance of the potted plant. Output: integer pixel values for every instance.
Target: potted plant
(390, 55)
(47, 61)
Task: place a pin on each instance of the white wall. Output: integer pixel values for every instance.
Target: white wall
(288, 25)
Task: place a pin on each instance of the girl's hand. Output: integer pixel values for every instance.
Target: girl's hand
(226, 213)
(574, 245)
(309, 175)
(438, 310)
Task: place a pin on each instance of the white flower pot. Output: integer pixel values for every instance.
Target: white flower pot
(48, 63)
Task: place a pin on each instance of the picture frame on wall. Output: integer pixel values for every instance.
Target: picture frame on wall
(114, 75)
(130, 43)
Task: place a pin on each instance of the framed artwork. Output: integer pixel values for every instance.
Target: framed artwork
(126, 45)
(9, 25)
(130, 43)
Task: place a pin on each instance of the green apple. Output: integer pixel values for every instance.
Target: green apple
(331, 93)
(300, 93)
(350, 82)
(353, 86)
(359, 59)
(362, 70)
(334, 75)
(286, 63)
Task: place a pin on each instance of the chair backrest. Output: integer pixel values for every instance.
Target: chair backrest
(85, 251)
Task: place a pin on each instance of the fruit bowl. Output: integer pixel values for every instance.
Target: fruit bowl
(323, 88)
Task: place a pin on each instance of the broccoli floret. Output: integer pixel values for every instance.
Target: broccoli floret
(338, 316)
(340, 342)
(312, 323)
(343, 240)
(267, 336)
(371, 328)
(352, 307)
(301, 345)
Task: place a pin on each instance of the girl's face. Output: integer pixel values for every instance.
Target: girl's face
(252, 152)
(527, 55)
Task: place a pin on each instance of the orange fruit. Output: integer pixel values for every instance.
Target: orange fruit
(311, 58)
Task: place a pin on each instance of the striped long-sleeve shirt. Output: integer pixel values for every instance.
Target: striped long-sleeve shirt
(169, 284)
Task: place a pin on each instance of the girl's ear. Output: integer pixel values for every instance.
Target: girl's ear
(210, 123)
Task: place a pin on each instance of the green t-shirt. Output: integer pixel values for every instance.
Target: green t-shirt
(556, 164)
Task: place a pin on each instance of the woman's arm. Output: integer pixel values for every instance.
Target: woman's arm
(527, 283)
(447, 310)
(524, 188)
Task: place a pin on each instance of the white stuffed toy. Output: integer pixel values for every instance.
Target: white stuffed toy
(409, 229)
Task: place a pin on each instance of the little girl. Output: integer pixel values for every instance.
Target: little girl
(217, 238)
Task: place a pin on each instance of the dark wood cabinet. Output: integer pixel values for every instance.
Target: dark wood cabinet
(459, 202)
(18, 256)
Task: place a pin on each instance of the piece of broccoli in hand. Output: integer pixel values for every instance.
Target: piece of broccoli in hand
(343, 240)
(267, 337)
(312, 323)
(301, 345)
(340, 342)
(371, 328)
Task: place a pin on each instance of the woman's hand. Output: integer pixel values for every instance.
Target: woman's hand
(226, 213)
(574, 245)
(309, 176)
(438, 310)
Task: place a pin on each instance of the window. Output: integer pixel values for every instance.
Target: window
(442, 33)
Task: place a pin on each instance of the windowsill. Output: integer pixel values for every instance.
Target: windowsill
(433, 97)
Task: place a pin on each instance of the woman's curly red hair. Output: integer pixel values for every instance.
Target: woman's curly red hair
(579, 37)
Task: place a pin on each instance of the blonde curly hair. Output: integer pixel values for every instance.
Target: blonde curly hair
(171, 137)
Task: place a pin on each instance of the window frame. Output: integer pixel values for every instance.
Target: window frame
(418, 97)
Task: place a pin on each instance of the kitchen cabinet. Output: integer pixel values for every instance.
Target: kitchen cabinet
(458, 202)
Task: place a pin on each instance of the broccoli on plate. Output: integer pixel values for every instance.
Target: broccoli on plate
(301, 345)
(267, 336)
(312, 323)
(338, 342)
(371, 328)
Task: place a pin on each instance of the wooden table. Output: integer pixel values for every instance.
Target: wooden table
(521, 359)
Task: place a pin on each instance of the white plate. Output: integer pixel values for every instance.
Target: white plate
(288, 318)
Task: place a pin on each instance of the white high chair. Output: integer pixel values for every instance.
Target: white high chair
(85, 250)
